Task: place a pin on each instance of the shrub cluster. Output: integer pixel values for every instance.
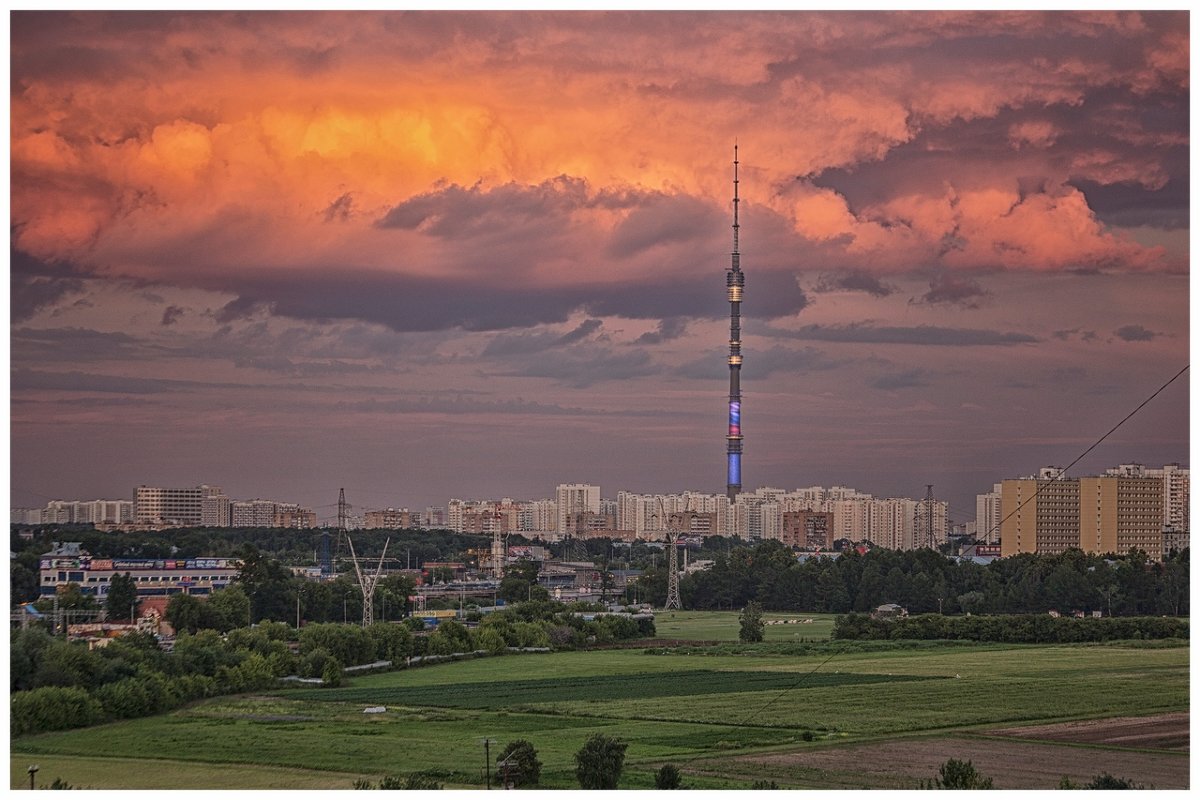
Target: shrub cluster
(1011, 628)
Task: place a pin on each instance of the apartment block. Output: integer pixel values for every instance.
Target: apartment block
(1100, 514)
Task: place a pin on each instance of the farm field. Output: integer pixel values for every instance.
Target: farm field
(725, 718)
(723, 626)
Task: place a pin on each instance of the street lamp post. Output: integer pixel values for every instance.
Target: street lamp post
(33, 768)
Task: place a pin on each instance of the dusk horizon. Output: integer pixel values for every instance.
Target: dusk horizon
(429, 255)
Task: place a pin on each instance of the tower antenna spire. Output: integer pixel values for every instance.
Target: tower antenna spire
(736, 264)
(735, 283)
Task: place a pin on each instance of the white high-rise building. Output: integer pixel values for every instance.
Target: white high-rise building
(987, 516)
(576, 498)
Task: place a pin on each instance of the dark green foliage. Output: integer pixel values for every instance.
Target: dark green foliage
(1107, 781)
(599, 762)
(331, 674)
(1011, 628)
(122, 597)
(955, 774)
(751, 623)
(764, 785)
(924, 581)
(52, 708)
(418, 781)
(59, 783)
(668, 777)
(523, 768)
(349, 644)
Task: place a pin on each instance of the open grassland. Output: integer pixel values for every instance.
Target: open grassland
(726, 719)
(723, 626)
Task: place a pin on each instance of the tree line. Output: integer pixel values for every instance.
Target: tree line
(925, 581)
(1011, 628)
(57, 684)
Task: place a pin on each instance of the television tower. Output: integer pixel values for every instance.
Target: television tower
(735, 282)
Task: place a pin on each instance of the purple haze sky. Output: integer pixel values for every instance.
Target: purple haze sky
(476, 254)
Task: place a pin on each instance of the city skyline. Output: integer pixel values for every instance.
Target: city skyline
(476, 253)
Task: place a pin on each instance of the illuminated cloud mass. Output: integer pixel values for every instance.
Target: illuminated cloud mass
(474, 254)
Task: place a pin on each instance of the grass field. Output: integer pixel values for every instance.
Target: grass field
(723, 626)
(723, 718)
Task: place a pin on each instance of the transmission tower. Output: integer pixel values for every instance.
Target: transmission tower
(343, 512)
(367, 582)
(676, 523)
(928, 502)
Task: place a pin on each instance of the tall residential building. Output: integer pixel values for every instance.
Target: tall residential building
(987, 516)
(1175, 490)
(573, 499)
(811, 530)
(65, 512)
(153, 505)
(1103, 514)
(215, 510)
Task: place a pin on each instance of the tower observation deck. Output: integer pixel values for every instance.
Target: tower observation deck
(735, 283)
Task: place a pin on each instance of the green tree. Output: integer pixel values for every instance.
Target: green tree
(186, 612)
(668, 777)
(122, 597)
(599, 762)
(751, 623)
(520, 764)
(229, 608)
(955, 774)
(331, 674)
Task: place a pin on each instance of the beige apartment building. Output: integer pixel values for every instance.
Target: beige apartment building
(1105, 514)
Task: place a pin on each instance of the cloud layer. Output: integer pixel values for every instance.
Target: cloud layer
(240, 216)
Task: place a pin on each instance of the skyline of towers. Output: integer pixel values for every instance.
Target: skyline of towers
(735, 282)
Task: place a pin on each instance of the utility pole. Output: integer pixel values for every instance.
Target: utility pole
(297, 611)
(487, 762)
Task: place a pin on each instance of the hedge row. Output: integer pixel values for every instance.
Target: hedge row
(1011, 628)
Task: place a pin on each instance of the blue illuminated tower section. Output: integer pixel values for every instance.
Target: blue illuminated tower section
(735, 282)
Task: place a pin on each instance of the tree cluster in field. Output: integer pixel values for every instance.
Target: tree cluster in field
(926, 581)
(1011, 628)
(57, 684)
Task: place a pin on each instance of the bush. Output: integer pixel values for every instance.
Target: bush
(668, 777)
(52, 708)
(955, 774)
(599, 762)
(331, 674)
(524, 769)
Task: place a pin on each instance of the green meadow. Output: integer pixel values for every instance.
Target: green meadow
(701, 710)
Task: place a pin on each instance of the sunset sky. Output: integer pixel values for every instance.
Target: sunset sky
(476, 254)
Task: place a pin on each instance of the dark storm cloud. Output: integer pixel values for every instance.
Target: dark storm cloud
(1066, 335)
(74, 345)
(953, 290)
(35, 284)
(919, 335)
(855, 281)
(511, 344)
(171, 315)
(465, 212)
(415, 303)
(36, 380)
(668, 329)
(908, 379)
(1135, 333)
(663, 220)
